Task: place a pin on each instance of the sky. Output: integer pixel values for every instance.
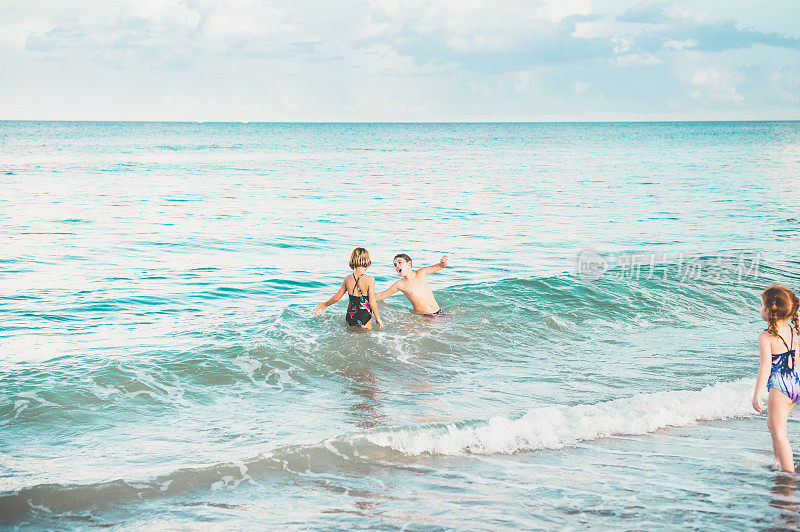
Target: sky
(399, 60)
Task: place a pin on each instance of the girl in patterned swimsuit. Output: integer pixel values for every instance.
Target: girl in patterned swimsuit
(361, 289)
(777, 369)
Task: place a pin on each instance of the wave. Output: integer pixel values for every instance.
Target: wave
(560, 426)
(539, 429)
(285, 350)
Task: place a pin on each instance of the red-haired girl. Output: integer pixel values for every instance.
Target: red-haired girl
(777, 346)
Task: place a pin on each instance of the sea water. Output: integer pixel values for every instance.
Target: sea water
(161, 368)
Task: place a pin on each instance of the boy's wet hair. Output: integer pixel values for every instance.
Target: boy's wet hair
(402, 256)
(781, 303)
(360, 257)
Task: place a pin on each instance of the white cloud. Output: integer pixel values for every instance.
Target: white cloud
(252, 20)
(715, 84)
(557, 10)
(680, 45)
(170, 33)
(621, 45)
(785, 84)
(689, 14)
(475, 25)
(638, 60)
(581, 86)
(592, 29)
(382, 58)
(168, 12)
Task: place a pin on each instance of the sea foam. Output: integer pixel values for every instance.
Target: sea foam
(559, 426)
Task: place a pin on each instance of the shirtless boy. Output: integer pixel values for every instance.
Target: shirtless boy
(414, 284)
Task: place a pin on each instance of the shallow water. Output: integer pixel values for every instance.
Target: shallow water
(160, 366)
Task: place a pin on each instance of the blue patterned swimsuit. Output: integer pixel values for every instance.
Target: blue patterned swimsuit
(358, 311)
(783, 375)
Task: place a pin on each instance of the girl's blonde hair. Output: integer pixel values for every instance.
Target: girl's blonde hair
(781, 304)
(360, 257)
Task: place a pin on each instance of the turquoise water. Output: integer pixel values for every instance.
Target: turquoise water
(160, 365)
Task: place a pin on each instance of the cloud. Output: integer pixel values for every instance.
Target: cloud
(679, 45)
(652, 13)
(770, 84)
(638, 59)
(715, 84)
(174, 34)
(481, 35)
(510, 58)
(719, 36)
(581, 86)
(784, 83)
(662, 12)
(671, 25)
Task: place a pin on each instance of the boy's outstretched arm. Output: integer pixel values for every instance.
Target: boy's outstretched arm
(435, 268)
(380, 296)
(320, 307)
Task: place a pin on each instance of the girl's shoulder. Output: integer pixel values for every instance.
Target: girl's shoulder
(767, 336)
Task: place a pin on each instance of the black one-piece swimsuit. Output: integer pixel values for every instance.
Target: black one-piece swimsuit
(358, 311)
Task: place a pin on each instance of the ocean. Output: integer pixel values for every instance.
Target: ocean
(161, 367)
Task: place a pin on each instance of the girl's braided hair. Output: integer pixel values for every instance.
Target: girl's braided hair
(781, 304)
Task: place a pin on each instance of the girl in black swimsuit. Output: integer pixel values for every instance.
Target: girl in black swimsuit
(362, 307)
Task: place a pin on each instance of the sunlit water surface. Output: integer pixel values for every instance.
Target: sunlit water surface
(160, 366)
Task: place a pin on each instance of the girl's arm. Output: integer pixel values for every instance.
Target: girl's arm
(374, 304)
(320, 308)
(765, 352)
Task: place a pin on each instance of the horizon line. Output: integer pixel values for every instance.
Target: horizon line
(404, 122)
